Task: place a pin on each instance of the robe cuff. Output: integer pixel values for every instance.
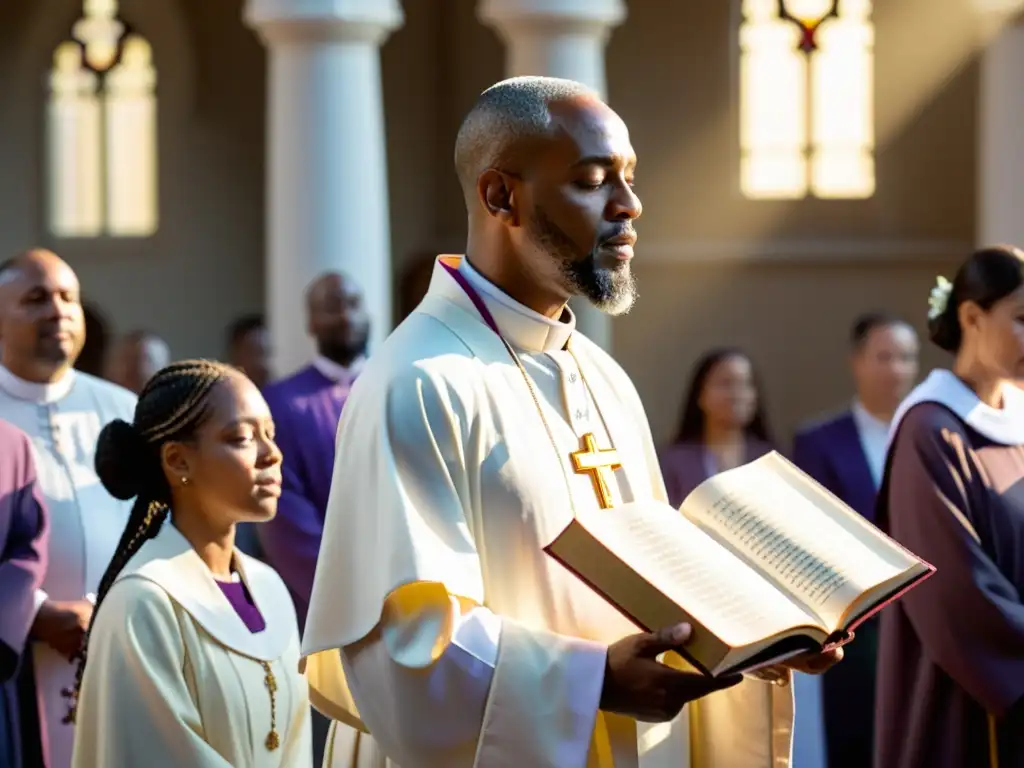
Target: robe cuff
(543, 702)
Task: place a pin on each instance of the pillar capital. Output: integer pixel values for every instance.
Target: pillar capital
(369, 21)
(590, 17)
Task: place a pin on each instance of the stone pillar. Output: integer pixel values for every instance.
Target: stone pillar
(327, 190)
(559, 38)
(1000, 143)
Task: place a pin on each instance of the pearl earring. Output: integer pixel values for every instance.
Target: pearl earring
(184, 481)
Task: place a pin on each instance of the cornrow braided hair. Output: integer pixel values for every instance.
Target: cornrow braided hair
(173, 404)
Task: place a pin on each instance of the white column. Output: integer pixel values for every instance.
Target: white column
(1000, 142)
(559, 38)
(327, 192)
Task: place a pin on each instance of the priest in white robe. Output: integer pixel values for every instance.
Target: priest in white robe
(437, 623)
(62, 411)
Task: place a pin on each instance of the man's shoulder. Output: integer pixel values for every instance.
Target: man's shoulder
(825, 425)
(16, 456)
(305, 381)
(12, 436)
(111, 395)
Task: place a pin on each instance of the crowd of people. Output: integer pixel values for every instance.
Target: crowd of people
(203, 566)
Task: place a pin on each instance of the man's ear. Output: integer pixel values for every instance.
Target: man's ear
(497, 195)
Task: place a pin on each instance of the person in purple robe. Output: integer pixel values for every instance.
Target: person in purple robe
(846, 454)
(24, 531)
(306, 408)
(950, 685)
(723, 423)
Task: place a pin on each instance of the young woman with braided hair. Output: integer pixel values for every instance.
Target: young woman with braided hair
(193, 647)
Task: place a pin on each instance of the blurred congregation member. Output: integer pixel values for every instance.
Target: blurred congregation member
(846, 454)
(135, 358)
(723, 424)
(192, 656)
(93, 356)
(951, 653)
(306, 408)
(24, 528)
(62, 410)
(249, 348)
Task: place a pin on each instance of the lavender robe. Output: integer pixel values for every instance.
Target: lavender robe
(831, 452)
(306, 408)
(684, 466)
(951, 656)
(24, 530)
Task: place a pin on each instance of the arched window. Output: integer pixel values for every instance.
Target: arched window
(806, 99)
(101, 116)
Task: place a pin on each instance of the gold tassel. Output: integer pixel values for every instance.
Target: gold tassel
(273, 741)
(993, 742)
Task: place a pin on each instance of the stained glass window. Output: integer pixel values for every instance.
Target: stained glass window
(102, 140)
(806, 99)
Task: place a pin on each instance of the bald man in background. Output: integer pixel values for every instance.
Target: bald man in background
(306, 407)
(136, 357)
(62, 411)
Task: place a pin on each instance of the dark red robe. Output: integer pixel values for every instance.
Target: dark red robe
(951, 656)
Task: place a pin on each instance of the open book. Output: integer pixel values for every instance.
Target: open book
(763, 562)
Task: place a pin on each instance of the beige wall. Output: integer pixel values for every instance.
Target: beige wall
(782, 279)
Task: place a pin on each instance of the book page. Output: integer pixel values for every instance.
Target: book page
(697, 573)
(776, 527)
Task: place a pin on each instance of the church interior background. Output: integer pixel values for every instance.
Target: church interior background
(196, 160)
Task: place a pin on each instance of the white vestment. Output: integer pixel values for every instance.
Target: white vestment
(464, 644)
(64, 419)
(175, 678)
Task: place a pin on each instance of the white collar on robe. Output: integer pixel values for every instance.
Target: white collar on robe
(522, 327)
(1001, 425)
(34, 391)
(336, 372)
(170, 562)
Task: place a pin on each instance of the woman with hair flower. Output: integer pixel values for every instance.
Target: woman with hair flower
(951, 655)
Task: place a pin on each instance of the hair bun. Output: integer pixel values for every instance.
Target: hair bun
(120, 459)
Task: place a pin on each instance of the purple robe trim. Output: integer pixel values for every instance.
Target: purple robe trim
(306, 408)
(238, 595)
(24, 531)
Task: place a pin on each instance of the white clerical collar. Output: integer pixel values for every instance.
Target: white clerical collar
(33, 391)
(336, 372)
(1001, 425)
(521, 326)
(170, 562)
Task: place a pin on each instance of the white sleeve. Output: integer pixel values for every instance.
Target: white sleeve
(498, 695)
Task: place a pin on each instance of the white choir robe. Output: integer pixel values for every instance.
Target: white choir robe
(175, 678)
(64, 420)
(437, 623)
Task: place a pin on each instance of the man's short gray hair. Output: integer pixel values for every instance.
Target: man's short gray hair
(504, 116)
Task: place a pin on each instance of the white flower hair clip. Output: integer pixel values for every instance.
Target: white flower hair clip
(939, 297)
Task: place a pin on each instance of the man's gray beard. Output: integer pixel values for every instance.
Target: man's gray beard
(611, 290)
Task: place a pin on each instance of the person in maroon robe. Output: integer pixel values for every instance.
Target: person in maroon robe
(723, 423)
(24, 530)
(950, 685)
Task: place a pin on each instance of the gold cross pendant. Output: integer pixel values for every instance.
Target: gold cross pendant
(599, 464)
